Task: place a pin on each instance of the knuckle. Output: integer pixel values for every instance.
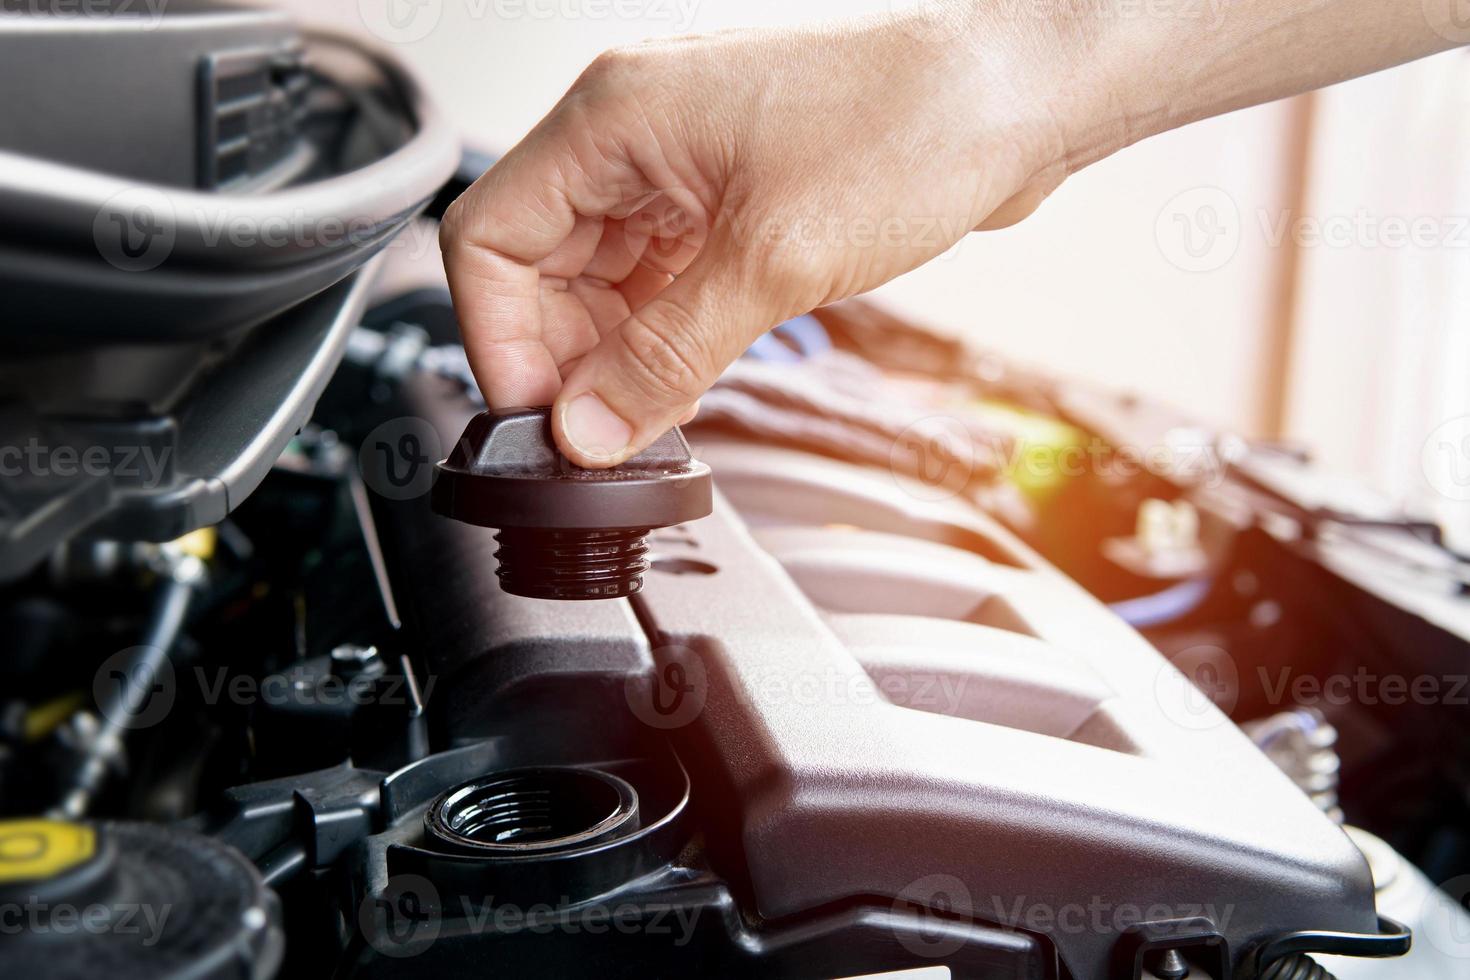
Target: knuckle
(451, 225)
(777, 248)
(790, 269)
(613, 65)
(663, 355)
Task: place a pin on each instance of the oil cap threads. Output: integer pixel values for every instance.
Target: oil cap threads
(566, 532)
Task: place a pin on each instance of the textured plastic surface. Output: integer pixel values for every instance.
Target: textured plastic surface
(886, 704)
(219, 441)
(147, 319)
(488, 646)
(846, 794)
(118, 90)
(91, 257)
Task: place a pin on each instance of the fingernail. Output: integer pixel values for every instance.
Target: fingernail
(592, 428)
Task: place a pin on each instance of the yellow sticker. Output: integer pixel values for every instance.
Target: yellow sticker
(199, 543)
(33, 849)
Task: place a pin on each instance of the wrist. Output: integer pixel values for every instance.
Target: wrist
(1068, 70)
(979, 83)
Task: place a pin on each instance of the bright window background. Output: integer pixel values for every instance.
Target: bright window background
(1242, 269)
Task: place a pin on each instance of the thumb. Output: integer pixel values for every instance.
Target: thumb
(648, 371)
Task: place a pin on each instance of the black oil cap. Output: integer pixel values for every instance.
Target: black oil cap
(566, 532)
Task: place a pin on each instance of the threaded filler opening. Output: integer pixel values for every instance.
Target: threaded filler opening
(532, 810)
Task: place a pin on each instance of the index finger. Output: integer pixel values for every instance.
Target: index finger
(493, 237)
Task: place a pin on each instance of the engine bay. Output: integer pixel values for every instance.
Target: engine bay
(899, 657)
(851, 723)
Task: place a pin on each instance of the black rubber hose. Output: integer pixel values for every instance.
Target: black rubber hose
(135, 686)
(1297, 966)
(165, 623)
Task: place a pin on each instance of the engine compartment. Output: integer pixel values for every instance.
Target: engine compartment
(849, 725)
(971, 671)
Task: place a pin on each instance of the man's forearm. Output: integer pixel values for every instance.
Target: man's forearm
(655, 223)
(1128, 69)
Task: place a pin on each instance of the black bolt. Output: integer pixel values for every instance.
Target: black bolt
(566, 532)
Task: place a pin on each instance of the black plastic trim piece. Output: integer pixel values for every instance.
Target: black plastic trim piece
(165, 263)
(1392, 939)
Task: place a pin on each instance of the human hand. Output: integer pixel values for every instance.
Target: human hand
(684, 197)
